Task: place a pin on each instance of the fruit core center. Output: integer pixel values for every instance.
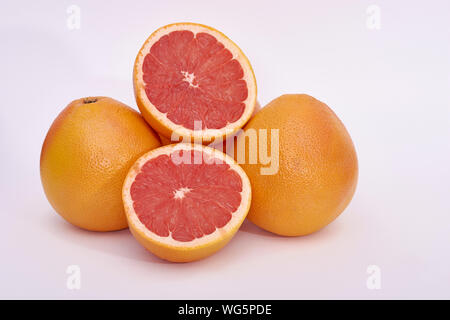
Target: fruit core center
(189, 78)
(179, 194)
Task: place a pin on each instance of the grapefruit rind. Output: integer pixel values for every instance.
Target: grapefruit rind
(159, 120)
(81, 171)
(178, 251)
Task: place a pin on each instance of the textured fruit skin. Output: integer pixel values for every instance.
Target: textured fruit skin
(85, 157)
(318, 167)
(173, 254)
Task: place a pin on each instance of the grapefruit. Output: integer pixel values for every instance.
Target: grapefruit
(317, 172)
(85, 157)
(185, 201)
(165, 141)
(192, 80)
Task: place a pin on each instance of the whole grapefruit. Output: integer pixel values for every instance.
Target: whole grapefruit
(317, 170)
(85, 157)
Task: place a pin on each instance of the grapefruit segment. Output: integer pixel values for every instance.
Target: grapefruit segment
(183, 202)
(192, 80)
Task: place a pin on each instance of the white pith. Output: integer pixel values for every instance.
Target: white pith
(206, 134)
(179, 194)
(189, 78)
(236, 218)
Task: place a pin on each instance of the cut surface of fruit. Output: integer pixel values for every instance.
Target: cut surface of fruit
(192, 80)
(185, 201)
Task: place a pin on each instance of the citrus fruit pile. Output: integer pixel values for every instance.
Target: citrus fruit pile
(184, 173)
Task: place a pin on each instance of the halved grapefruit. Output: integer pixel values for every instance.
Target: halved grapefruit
(185, 201)
(191, 80)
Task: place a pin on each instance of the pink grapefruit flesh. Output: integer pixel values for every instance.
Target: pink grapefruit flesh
(194, 77)
(192, 80)
(185, 201)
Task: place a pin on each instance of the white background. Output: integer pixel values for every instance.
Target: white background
(389, 86)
